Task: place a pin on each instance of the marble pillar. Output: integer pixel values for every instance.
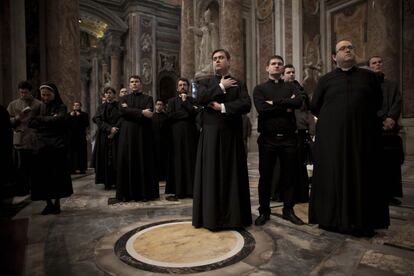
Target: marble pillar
(106, 76)
(5, 54)
(115, 70)
(384, 22)
(114, 43)
(94, 91)
(231, 35)
(265, 37)
(60, 46)
(287, 9)
(85, 100)
(407, 121)
(131, 62)
(17, 43)
(187, 40)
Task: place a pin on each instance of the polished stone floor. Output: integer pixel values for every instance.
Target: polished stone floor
(71, 243)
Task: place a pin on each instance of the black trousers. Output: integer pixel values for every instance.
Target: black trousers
(270, 149)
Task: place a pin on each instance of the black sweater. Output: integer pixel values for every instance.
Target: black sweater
(276, 118)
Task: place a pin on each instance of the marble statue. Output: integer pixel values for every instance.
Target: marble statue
(208, 37)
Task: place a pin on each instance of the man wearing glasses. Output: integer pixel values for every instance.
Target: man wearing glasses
(347, 195)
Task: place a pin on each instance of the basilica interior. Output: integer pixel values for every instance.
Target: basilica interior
(85, 45)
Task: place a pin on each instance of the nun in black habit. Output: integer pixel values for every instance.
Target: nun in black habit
(51, 171)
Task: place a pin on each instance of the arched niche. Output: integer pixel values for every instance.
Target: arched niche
(166, 85)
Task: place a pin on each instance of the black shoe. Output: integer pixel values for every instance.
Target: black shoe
(262, 219)
(113, 200)
(49, 209)
(394, 201)
(289, 214)
(172, 198)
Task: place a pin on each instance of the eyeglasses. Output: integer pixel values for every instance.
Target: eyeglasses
(343, 48)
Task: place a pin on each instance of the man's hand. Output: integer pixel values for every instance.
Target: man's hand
(72, 113)
(388, 124)
(228, 82)
(289, 109)
(114, 130)
(124, 105)
(147, 113)
(215, 105)
(269, 102)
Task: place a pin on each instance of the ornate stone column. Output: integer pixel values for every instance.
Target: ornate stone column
(132, 46)
(231, 35)
(85, 100)
(94, 92)
(60, 34)
(114, 43)
(106, 77)
(187, 39)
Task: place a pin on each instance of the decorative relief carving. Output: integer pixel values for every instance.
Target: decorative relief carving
(167, 62)
(146, 71)
(146, 43)
(312, 7)
(264, 8)
(312, 64)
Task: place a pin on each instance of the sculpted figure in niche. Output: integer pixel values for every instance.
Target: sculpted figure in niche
(146, 73)
(146, 41)
(208, 42)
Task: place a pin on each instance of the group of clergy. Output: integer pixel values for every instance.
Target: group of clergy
(205, 157)
(137, 146)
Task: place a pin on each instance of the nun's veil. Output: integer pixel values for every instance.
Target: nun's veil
(53, 88)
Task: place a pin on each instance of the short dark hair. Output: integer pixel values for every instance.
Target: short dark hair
(221, 50)
(182, 79)
(160, 100)
(369, 60)
(274, 57)
(336, 43)
(24, 85)
(77, 102)
(109, 88)
(134, 77)
(289, 66)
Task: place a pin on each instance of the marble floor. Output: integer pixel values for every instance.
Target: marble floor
(81, 240)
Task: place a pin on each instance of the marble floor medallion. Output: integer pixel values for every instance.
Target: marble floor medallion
(178, 247)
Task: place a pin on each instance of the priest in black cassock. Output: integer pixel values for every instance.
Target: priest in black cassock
(135, 166)
(346, 194)
(78, 123)
(183, 144)
(161, 134)
(107, 119)
(221, 184)
(393, 153)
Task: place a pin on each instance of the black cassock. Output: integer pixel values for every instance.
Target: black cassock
(6, 144)
(160, 130)
(107, 117)
(77, 146)
(346, 192)
(183, 147)
(221, 185)
(135, 167)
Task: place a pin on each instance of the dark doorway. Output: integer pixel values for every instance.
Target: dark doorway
(167, 88)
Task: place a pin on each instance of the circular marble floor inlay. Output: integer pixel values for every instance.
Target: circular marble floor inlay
(176, 246)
